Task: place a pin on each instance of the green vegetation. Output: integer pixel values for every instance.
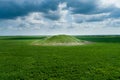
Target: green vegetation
(59, 40)
(108, 39)
(21, 61)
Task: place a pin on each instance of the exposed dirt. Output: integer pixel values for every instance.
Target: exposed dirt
(61, 44)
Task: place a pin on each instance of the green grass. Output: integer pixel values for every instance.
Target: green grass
(108, 39)
(61, 39)
(21, 61)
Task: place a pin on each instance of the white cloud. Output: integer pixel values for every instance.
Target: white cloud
(63, 12)
(35, 23)
(106, 3)
(85, 18)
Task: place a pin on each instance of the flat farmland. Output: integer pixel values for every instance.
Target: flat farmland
(19, 60)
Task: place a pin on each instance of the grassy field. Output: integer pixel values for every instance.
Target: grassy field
(19, 60)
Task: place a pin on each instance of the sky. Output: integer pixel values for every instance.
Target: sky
(52, 17)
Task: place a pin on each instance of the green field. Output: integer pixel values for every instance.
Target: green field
(19, 60)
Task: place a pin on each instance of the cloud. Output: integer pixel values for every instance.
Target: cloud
(10, 9)
(79, 18)
(82, 7)
(106, 3)
(59, 16)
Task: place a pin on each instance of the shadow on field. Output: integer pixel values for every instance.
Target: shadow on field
(106, 39)
(22, 37)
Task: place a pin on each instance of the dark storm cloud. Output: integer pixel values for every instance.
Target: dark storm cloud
(115, 13)
(52, 16)
(91, 7)
(10, 9)
(80, 7)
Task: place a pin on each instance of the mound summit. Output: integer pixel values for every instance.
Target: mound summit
(60, 40)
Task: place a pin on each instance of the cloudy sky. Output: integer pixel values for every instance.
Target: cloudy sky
(49, 17)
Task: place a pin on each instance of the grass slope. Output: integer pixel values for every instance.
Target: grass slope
(60, 40)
